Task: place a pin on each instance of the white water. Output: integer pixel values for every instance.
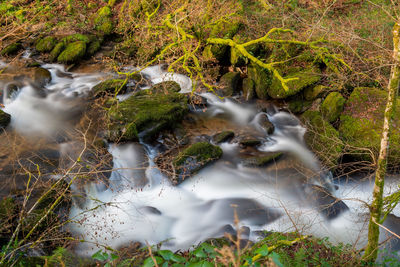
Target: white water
(141, 205)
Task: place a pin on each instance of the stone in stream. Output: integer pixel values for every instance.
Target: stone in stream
(224, 136)
(229, 83)
(262, 161)
(5, 119)
(194, 158)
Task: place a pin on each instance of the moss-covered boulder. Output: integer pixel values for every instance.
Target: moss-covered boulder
(103, 21)
(313, 92)
(322, 138)
(11, 49)
(248, 89)
(165, 87)
(56, 51)
(224, 136)
(261, 78)
(195, 157)
(332, 106)
(361, 125)
(46, 44)
(73, 52)
(229, 83)
(262, 161)
(93, 47)
(145, 114)
(110, 87)
(301, 80)
(5, 119)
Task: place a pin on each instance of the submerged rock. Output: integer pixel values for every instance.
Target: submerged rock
(194, 158)
(5, 119)
(322, 138)
(145, 115)
(332, 106)
(261, 161)
(361, 125)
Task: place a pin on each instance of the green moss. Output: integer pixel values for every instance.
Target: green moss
(248, 89)
(109, 87)
(299, 105)
(195, 157)
(75, 38)
(11, 49)
(332, 106)
(223, 136)
(150, 113)
(261, 78)
(103, 21)
(56, 51)
(262, 161)
(46, 44)
(94, 46)
(313, 92)
(361, 125)
(322, 138)
(73, 52)
(5, 119)
(165, 87)
(303, 79)
(229, 83)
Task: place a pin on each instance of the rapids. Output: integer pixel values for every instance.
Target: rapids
(139, 204)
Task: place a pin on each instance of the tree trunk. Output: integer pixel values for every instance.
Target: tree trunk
(371, 251)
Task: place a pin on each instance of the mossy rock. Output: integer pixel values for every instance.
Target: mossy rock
(93, 47)
(224, 136)
(145, 114)
(41, 76)
(76, 38)
(229, 83)
(299, 105)
(11, 49)
(250, 142)
(165, 87)
(322, 138)
(248, 89)
(46, 44)
(332, 106)
(58, 48)
(194, 158)
(72, 53)
(361, 125)
(261, 78)
(5, 119)
(109, 87)
(262, 161)
(313, 92)
(303, 79)
(103, 21)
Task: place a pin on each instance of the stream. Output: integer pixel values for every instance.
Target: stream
(140, 204)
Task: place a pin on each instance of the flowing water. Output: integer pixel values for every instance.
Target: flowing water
(139, 204)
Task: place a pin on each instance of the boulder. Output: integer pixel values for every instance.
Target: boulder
(248, 89)
(73, 52)
(56, 51)
(145, 115)
(229, 83)
(361, 125)
(11, 49)
(322, 138)
(194, 158)
(46, 44)
(261, 78)
(332, 106)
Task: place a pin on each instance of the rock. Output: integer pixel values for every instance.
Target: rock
(304, 78)
(109, 87)
(194, 158)
(248, 89)
(299, 105)
(249, 142)
(73, 52)
(261, 161)
(229, 83)
(261, 78)
(93, 47)
(58, 48)
(145, 115)
(313, 92)
(332, 106)
(103, 21)
(46, 44)
(224, 136)
(266, 124)
(5, 119)
(11, 49)
(41, 77)
(361, 125)
(322, 138)
(165, 87)
(77, 37)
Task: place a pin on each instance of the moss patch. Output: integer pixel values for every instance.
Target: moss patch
(322, 138)
(73, 52)
(332, 106)
(165, 87)
(56, 51)
(46, 44)
(248, 89)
